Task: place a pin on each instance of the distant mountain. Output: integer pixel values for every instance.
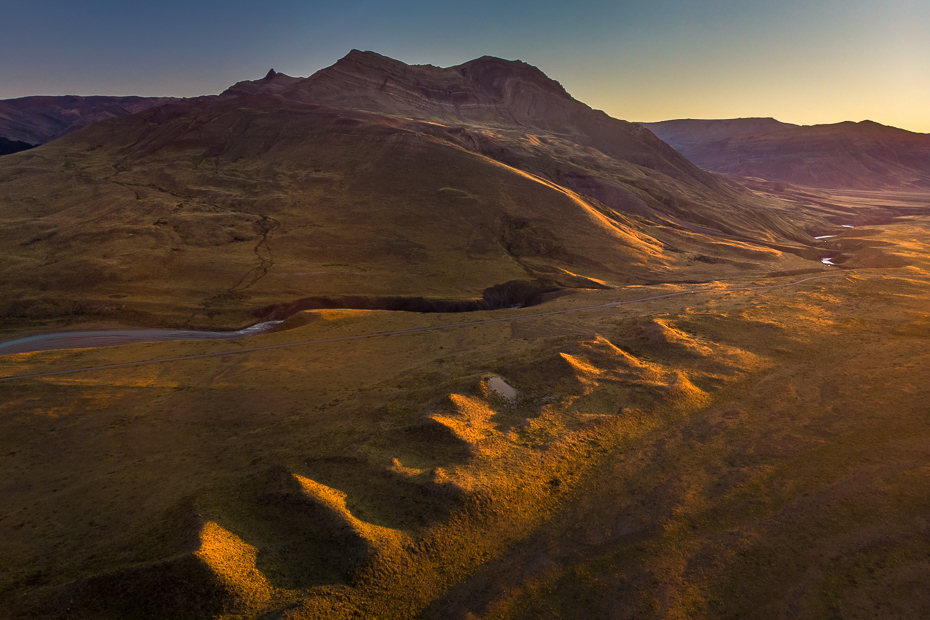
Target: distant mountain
(863, 155)
(686, 134)
(37, 120)
(272, 83)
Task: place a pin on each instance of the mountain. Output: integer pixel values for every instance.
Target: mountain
(370, 179)
(849, 155)
(272, 83)
(488, 91)
(686, 134)
(36, 120)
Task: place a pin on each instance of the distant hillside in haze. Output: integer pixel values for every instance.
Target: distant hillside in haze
(686, 134)
(848, 155)
(37, 120)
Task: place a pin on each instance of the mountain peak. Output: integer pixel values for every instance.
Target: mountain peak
(486, 90)
(488, 70)
(370, 59)
(272, 83)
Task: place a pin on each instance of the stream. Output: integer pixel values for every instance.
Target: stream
(829, 261)
(112, 337)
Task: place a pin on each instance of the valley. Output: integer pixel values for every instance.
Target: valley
(528, 361)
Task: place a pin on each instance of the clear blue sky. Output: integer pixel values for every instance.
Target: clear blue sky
(801, 61)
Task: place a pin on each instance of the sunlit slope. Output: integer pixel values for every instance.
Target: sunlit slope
(200, 213)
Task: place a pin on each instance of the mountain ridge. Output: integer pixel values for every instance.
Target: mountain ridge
(685, 133)
(848, 154)
(489, 91)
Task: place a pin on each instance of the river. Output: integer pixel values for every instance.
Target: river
(112, 337)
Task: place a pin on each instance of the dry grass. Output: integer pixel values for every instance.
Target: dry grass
(703, 456)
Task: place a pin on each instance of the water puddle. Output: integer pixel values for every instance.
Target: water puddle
(501, 388)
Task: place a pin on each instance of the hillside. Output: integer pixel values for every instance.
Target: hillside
(730, 453)
(13, 146)
(203, 212)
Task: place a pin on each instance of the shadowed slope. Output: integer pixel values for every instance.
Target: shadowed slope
(13, 146)
(37, 120)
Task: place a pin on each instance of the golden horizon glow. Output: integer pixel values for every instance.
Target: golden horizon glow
(798, 61)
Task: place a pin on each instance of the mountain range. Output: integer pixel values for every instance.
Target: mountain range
(847, 155)
(862, 156)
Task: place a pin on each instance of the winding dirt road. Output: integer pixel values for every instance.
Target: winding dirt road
(424, 329)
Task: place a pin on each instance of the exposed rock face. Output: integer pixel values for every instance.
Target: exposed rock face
(272, 83)
(37, 120)
(863, 155)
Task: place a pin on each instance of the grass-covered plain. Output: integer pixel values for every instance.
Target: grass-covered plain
(757, 453)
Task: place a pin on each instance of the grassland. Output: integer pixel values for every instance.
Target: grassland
(722, 455)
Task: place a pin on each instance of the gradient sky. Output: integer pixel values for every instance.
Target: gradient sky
(800, 61)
